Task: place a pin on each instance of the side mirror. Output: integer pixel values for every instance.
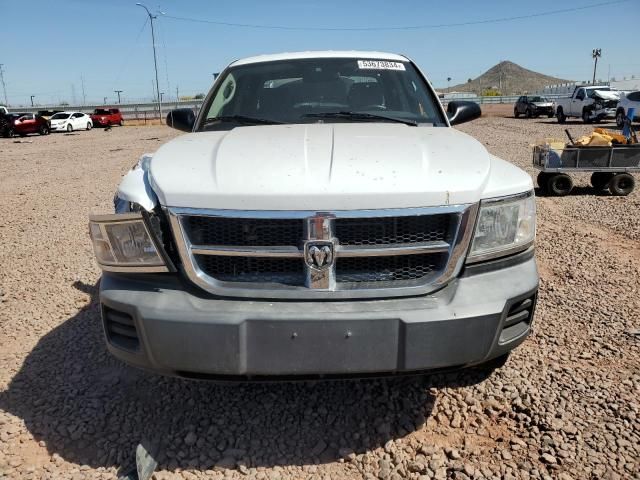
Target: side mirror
(460, 111)
(181, 119)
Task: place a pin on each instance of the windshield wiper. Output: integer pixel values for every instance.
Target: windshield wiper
(360, 116)
(242, 119)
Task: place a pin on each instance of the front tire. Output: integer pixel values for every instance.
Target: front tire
(542, 180)
(44, 130)
(69, 128)
(121, 123)
(560, 184)
(560, 115)
(527, 113)
(585, 116)
(89, 126)
(622, 185)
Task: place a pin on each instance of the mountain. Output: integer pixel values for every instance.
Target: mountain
(509, 79)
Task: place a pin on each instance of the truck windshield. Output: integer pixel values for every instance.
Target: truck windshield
(321, 90)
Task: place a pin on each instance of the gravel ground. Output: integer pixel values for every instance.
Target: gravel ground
(566, 405)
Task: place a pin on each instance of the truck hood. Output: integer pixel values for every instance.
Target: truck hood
(606, 95)
(320, 167)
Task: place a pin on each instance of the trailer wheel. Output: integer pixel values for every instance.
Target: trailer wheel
(622, 184)
(560, 115)
(542, 180)
(560, 184)
(600, 180)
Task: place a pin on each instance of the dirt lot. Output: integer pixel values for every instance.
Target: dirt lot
(566, 405)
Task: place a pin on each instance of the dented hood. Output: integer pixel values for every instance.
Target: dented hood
(320, 167)
(606, 95)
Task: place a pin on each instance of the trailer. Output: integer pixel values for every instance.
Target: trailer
(611, 167)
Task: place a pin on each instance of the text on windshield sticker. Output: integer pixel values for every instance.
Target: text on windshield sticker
(379, 65)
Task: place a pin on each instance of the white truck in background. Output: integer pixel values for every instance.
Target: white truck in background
(592, 104)
(3, 110)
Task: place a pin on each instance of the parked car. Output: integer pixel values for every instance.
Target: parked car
(3, 110)
(25, 123)
(592, 104)
(533, 106)
(103, 117)
(70, 121)
(321, 217)
(627, 101)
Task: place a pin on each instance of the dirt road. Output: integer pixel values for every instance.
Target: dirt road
(566, 405)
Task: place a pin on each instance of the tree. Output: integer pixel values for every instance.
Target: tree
(469, 80)
(198, 96)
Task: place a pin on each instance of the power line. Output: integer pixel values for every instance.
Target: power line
(406, 27)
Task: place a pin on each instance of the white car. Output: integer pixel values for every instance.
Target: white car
(70, 121)
(627, 101)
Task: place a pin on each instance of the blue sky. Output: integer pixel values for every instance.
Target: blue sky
(49, 47)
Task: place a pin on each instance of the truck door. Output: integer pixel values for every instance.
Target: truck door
(576, 102)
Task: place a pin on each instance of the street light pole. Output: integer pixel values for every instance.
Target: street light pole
(597, 53)
(32, 100)
(118, 92)
(155, 61)
(104, 100)
(4, 87)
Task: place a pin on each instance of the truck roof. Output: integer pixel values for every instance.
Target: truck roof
(322, 54)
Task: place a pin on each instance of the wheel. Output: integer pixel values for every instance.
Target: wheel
(585, 116)
(543, 178)
(121, 123)
(69, 128)
(621, 184)
(559, 184)
(620, 116)
(89, 126)
(515, 113)
(527, 113)
(10, 133)
(44, 130)
(600, 180)
(560, 115)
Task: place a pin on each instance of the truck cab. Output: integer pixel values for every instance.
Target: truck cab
(591, 103)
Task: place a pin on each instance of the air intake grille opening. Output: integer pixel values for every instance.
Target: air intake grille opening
(121, 329)
(243, 232)
(518, 320)
(388, 269)
(287, 271)
(393, 230)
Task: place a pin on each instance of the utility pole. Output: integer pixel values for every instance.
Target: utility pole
(104, 100)
(597, 53)
(155, 61)
(161, 95)
(84, 95)
(177, 94)
(32, 96)
(118, 92)
(4, 87)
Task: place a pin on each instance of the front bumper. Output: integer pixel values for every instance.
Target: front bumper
(161, 323)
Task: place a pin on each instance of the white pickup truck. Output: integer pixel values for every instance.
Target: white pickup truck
(320, 218)
(592, 104)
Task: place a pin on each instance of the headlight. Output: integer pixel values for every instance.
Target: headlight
(122, 243)
(505, 225)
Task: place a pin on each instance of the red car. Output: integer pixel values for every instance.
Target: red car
(24, 123)
(103, 117)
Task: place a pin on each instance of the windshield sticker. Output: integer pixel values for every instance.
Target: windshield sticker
(380, 65)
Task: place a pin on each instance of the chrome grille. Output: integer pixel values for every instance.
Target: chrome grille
(341, 254)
